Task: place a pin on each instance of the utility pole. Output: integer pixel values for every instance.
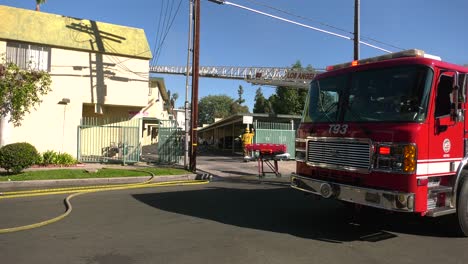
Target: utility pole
(187, 81)
(195, 72)
(356, 29)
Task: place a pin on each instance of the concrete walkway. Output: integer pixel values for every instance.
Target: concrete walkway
(234, 167)
(220, 166)
(90, 167)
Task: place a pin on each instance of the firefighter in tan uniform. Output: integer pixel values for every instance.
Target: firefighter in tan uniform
(247, 138)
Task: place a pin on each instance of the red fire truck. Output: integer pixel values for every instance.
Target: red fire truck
(389, 132)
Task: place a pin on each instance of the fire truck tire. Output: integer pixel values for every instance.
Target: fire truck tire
(462, 207)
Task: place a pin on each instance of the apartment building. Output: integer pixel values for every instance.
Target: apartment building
(98, 71)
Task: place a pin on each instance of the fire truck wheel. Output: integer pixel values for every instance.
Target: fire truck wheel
(462, 207)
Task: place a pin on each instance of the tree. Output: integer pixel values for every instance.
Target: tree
(174, 98)
(20, 90)
(167, 105)
(214, 106)
(261, 105)
(236, 108)
(218, 106)
(240, 91)
(39, 3)
(289, 100)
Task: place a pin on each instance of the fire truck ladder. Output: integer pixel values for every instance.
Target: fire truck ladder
(271, 76)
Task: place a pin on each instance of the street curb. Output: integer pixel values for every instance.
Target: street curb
(36, 184)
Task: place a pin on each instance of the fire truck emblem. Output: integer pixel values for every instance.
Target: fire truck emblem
(447, 145)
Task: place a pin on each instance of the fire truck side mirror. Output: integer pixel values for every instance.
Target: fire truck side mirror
(457, 99)
(442, 123)
(463, 84)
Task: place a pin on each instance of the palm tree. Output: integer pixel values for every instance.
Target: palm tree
(39, 3)
(174, 98)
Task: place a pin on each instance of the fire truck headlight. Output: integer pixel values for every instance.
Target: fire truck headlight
(401, 201)
(300, 145)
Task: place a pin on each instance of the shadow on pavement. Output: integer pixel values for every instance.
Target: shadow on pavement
(210, 151)
(240, 173)
(228, 159)
(284, 210)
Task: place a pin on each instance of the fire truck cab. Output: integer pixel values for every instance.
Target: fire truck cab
(388, 132)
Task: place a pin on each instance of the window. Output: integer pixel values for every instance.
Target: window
(392, 94)
(28, 56)
(444, 96)
(388, 94)
(324, 96)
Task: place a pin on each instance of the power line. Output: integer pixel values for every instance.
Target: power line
(299, 24)
(157, 31)
(321, 23)
(161, 28)
(298, 16)
(170, 22)
(167, 16)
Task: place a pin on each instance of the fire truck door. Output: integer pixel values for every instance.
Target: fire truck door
(446, 140)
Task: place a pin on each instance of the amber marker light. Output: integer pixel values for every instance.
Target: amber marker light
(409, 156)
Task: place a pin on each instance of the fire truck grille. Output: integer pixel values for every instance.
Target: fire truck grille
(339, 154)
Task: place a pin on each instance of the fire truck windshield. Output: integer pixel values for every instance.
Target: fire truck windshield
(396, 94)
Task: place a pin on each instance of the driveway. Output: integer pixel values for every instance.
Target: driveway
(234, 166)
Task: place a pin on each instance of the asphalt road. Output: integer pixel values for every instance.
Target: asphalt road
(230, 220)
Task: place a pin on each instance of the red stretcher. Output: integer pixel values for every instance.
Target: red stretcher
(267, 155)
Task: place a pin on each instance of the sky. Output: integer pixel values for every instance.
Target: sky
(230, 36)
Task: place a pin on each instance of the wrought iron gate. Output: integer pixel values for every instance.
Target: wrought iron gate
(108, 140)
(170, 142)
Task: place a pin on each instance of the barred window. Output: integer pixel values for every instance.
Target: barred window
(28, 56)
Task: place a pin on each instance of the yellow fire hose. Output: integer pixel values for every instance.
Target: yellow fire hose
(76, 191)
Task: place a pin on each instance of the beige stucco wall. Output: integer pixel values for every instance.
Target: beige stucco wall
(75, 75)
(155, 109)
(2, 49)
(118, 80)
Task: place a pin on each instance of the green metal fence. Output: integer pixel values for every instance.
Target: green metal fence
(170, 143)
(276, 133)
(109, 140)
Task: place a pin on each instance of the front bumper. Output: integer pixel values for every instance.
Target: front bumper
(389, 200)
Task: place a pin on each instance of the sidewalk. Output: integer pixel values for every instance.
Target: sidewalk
(234, 167)
(228, 167)
(91, 167)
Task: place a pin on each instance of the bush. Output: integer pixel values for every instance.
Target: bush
(18, 156)
(40, 160)
(49, 157)
(66, 159)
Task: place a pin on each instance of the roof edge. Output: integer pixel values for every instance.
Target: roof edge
(60, 31)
